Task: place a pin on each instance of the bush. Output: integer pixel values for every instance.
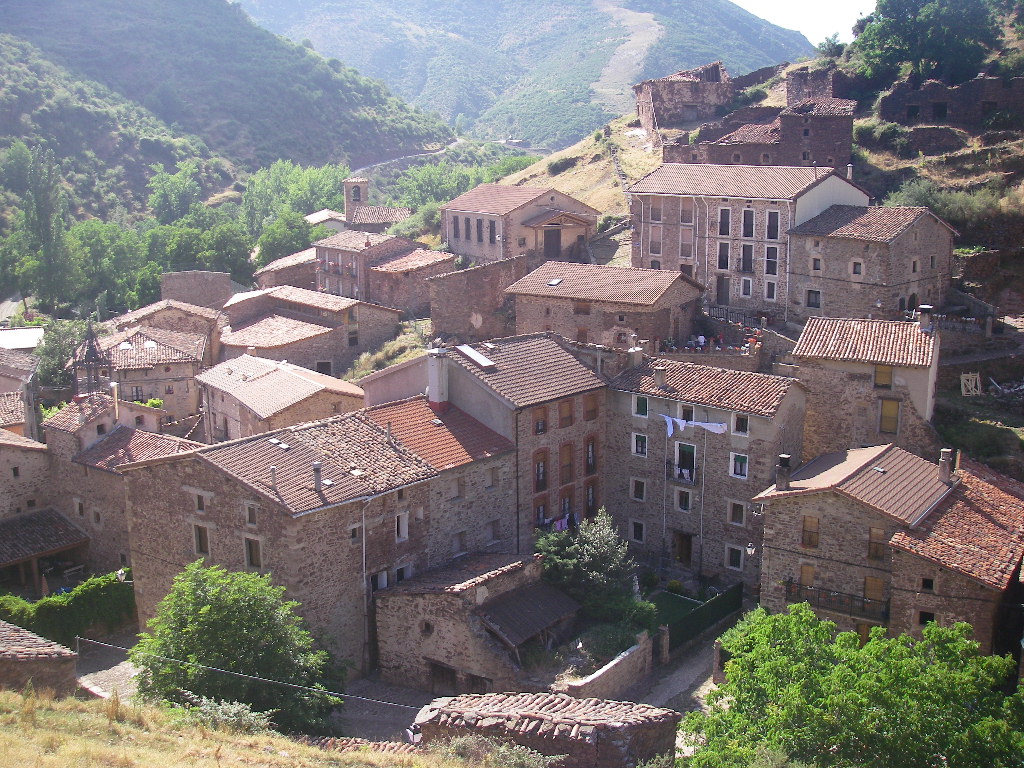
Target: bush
(479, 750)
(230, 716)
(606, 641)
(648, 580)
(675, 587)
(607, 222)
(556, 167)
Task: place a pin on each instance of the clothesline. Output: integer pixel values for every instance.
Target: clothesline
(671, 424)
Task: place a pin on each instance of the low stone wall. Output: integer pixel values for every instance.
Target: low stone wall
(57, 674)
(734, 361)
(617, 675)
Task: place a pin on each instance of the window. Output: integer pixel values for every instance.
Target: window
(807, 575)
(492, 232)
(748, 222)
(200, 503)
(356, 194)
(770, 290)
(737, 513)
(807, 131)
(495, 530)
(353, 338)
(379, 580)
(746, 286)
(540, 423)
(541, 507)
(469, 231)
(402, 526)
(858, 268)
(913, 266)
(771, 260)
(723, 255)
(16, 471)
(874, 588)
(686, 462)
(683, 501)
(738, 465)
(655, 212)
(202, 539)
(639, 444)
(806, 156)
(250, 514)
(883, 377)
(723, 221)
(686, 211)
(655, 264)
(565, 413)
(741, 424)
(734, 558)
(747, 258)
(81, 509)
(169, 389)
(591, 499)
(772, 228)
(459, 542)
(654, 245)
(590, 406)
(140, 421)
(355, 534)
(636, 531)
(565, 501)
(253, 555)
(458, 488)
(809, 535)
(686, 412)
(493, 477)
(932, 261)
(637, 489)
(566, 463)
(925, 617)
(814, 299)
(522, 242)
(876, 544)
(640, 406)
(591, 456)
(816, 264)
(479, 230)
(101, 429)
(136, 393)
(402, 573)
(889, 416)
(580, 307)
(927, 585)
(455, 228)
(540, 471)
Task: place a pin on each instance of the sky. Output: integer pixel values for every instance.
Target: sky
(817, 19)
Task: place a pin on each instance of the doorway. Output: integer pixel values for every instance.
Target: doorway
(722, 291)
(552, 243)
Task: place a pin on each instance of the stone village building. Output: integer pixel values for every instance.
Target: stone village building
(15, 414)
(26, 659)
(605, 305)
(298, 269)
(179, 316)
(17, 376)
(359, 215)
(683, 97)
(726, 226)
(493, 222)
(877, 536)
(248, 395)
(681, 492)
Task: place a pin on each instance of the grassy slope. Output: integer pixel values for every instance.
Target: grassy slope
(203, 65)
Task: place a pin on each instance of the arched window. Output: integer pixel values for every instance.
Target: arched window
(903, 304)
(912, 302)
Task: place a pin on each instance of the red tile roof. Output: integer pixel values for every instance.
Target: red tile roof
(759, 394)
(446, 440)
(753, 133)
(13, 439)
(17, 361)
(879, 342)
(301, 296)
(325, 214)
(133, 317)
(978, 531)
(462, 574)
(877, 223)
(20, 644)
(267, 387)
(35, 534)
(142, 347)
(823, 107)
(352, 744)
(354, 240)
(495, 199)
(307, 256)
(72, 416)
(12, 409)
(126, 445)
(528, 370)
(591, 282)
(418, 259)
(376, 214)
(271, 331)
(762, 182)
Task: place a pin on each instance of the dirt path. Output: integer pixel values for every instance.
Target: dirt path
(613, 88)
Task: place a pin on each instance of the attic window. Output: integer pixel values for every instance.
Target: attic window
(149, 344)
(437, 422)
(555, 281)
(880, 470)
(357, 473)
(283, 446)
(125, 345)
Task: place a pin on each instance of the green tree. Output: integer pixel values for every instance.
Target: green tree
(240, 622)
(290, 234)
(173, 194)
(794, 686)
(60, 340)
(15, 167)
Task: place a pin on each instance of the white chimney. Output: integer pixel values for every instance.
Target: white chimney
(636, 357)
(925, 317)
(437, 379)
(783, 470)
(849, 171)
(946, 465)
(318, 481)
(659, 375)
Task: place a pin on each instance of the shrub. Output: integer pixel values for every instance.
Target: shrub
(675, 587)
(607, 222)
(556, 167)
(479, 750)
(230, 716)
(648, 580)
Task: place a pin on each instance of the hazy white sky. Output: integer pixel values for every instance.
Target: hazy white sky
(817, 19)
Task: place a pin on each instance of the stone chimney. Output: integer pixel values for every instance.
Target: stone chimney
(946, 465)
(636, 357)
(273, 477)
(849, 171)
(659, 375)
(437, 379)
(783, 470)
(925, 317)
(318, 476)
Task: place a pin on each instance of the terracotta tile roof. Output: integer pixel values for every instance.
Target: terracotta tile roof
(141, 347)
(267, 387)
(880, 342)
(753, 133)
(377, 214)
(12, 409)
(355, 180)
(353, 240)
(357, 457)
(307, 256)
(823, 108)
(978, 531)
(126, 445)
(878, 223)
(133, 317)
(694, 75)
(565, 716)
(271, 331)
(17, 361)
(24, 339)
(759, 394)
(20, 644)
(461, 575)
(301, 296)
(528, 370)
(323, 215)
(885, 478)
(495, 199)
(451, 439)
(418, 259)
(72, 416)
(351, 744)
(13, 439)
(34, 534)
(545, 217)
(524, 613)
(762, 182)
(591, 282)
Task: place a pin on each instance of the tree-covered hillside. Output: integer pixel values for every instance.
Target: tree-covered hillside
(203, 67)
(529, 67)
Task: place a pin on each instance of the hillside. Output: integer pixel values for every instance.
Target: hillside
(203, 67)
(545, 71)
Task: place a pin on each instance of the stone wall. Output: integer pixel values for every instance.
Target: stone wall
(56, 674)
(618, 675)
(300, 275)
(974, 104)
(174, 383)
(408, 291)
(93, 499)
(205, 289)
(26, 480)
(672, 102)
(804, 83)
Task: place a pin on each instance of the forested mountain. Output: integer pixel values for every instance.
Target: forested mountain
(548, 71)
(203, 67)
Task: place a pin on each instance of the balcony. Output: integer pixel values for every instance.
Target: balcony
(680, 474)
(837, 602)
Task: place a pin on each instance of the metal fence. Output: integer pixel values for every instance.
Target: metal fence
(687, 627)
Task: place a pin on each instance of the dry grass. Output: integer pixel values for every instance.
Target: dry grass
(37, 731)
(412, 342)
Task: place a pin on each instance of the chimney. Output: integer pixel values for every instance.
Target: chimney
(659, 376)
(117, 396)
(437, 379)
(782, 472)
(273, 477)
(318, 479)
(946, 465)
(925, 317)
(849, 171)
(636, 357)
(391, 440)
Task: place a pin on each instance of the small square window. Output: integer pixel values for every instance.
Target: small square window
(734, 558)
(140, 421)
(101, 429)
(737, 513)
(639, 444)
(622, 318)
(253, 553)
(858, 268)
(924, 617)
(927, 585)
(741, 424)
(636, 531)
(683, 501)
(637, 489)
(640, 406)
(814, 299)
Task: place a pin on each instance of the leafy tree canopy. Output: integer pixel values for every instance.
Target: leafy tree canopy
(793, 685)
(60, 340)
(240, 622)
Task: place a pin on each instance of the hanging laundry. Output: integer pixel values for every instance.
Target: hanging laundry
(712, 426)
(681, 423)
(668, 424)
